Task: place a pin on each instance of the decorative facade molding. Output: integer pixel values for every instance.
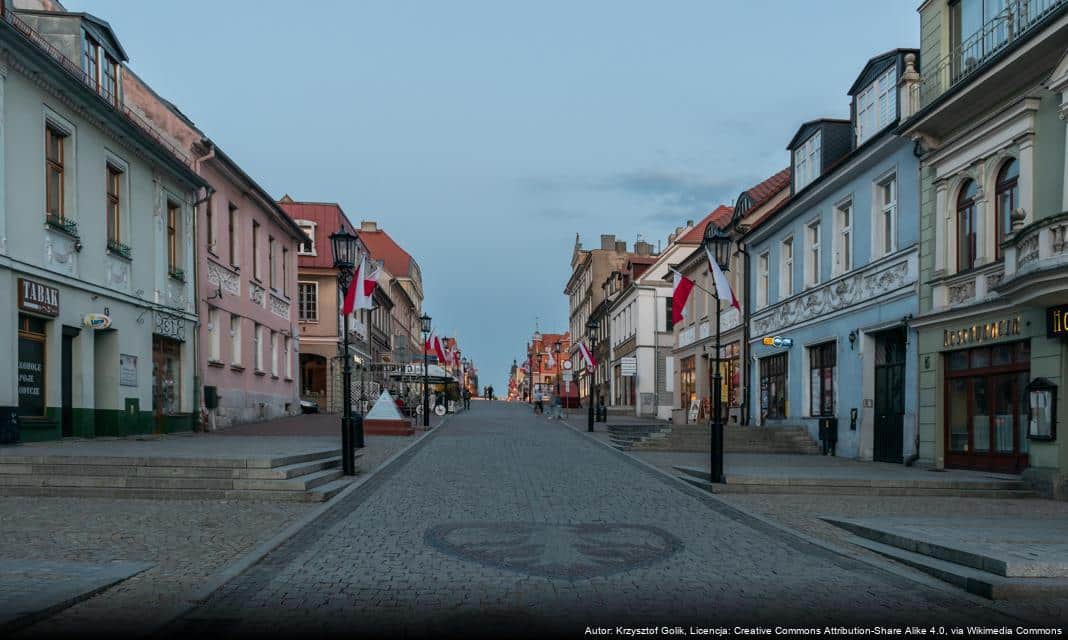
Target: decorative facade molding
(857, 287)
(961, 292)
(225, 278)
(59, 253)
(255, 293)
(118, 273)
(279, 307)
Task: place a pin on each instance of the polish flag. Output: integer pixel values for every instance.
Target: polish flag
(370, 283)
(363, 296)
(349, 305)
(679, 295)
(439, 352)
(587, 356)
(428, 346)
(723, 287)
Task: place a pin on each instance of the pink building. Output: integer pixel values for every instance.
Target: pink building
(246, 278)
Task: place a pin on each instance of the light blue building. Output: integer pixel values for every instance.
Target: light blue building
(835, 271)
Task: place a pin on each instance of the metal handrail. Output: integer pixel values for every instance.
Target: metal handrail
(75, 70)
(1008, 26)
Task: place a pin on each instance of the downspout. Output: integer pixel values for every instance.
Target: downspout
(916, 454)
(744, 356)
(197, 373)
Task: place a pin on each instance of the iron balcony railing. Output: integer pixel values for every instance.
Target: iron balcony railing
(75, 70)
(1015, 21)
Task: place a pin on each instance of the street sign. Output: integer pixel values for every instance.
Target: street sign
(566, 376)
(628, 366)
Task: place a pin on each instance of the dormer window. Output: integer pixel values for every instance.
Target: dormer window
(101, 69)
(876, 105)
(91, 61)
(807, 162)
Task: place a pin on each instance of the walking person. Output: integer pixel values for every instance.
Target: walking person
(557, 413)
(539, 405)
(467, 398)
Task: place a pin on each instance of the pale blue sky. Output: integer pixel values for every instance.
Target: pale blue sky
(484, 135)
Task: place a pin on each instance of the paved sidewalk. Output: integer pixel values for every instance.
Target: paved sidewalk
(505, 524)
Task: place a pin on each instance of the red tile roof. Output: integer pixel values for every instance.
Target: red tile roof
(328, 218)
(764, 191)
(382, 247)
(721, 215)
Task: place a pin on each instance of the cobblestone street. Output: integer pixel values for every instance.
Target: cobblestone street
(505, 522)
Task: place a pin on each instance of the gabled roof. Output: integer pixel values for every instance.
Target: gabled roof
(803, 131)
(382, 247)
(721, 215)
(764, 191)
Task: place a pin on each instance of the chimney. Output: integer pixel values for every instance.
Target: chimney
(689, 223)
(608, 241)
(643, 248)
(671, 238)
(368, 225)
(621, 246)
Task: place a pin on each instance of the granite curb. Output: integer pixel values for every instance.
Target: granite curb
(788, 533)
(242, 564)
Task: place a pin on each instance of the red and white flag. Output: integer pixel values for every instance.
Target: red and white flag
(439, 352)
(349, 304)
(723, 287)
(679, 296)
(587, 356)
(363, 296)
(371, 281)
(552, 361)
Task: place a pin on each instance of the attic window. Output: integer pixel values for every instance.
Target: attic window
(876, 105)
(807, 162)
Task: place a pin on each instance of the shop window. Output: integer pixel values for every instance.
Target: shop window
(166, 375)
(822, 361)
(773, 386)
(687, 381)
(31, 367)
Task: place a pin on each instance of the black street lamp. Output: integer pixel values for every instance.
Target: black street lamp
(424, 321)
(556, 351)
(591, 336)
(346, 246)
(718, 242)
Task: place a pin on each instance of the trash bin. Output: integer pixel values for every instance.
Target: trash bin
(9, 425)
(828, 435)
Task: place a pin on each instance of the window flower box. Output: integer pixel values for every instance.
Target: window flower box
(64, 225)
(120, 249)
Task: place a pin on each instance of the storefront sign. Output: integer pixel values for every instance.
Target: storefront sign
(96, 321)
(628, 366)
(778, 341)
(38, 298)
(127, 370)
(980, 333)
(1057, 321)
(31, 372)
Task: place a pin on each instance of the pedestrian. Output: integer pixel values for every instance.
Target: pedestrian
(467, 398)
(556, 407)
(539, 405)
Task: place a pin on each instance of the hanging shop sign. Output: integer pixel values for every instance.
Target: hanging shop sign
(778, 341)
(96, 321)
(1057, 321)
(38, 298)
(981, 333)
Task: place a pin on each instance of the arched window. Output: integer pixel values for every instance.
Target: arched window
(1007, 198)
(966, 226)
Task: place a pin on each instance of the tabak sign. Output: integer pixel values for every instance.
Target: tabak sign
(1057, 321)
(38, 298)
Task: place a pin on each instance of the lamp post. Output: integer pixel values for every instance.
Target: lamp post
(424, 321)
(718, 242)
(345, 246)
(591, 336)
(556, 351)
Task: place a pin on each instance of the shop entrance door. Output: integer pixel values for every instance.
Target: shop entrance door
(166, 378)
(889, 396)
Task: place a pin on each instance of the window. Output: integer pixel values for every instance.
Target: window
(966, 226)
(270, 261)
(1006, 197)
(214, 346)
(886, 216)
(55, 141)
(843, 250)
(687, 382)
(669, 313)
(232, 229)
(762, 280)
(255, 250)
(114, 210)
(288, 355)
(807, 162)
(91, 61)
(32, 366)
(172, 237)
(257, 346)
(978, 28)
(822, 360)
(812, 257)
(786, 268)
(235, 340)
(307, 246)
(274, 354)
(773, 386)
(877, 105)
(209, 223)
(109, 80)
(308, 301)
(285, 271)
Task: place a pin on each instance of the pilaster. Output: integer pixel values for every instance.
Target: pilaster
(941, 225)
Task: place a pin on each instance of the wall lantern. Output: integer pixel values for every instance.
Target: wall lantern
(1041, 410)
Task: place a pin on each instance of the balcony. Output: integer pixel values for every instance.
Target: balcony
(966, 288)
(1036, 262)
(1003, 58)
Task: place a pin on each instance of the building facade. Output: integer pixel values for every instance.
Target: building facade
(97, 228)
(987, 114)
(318, 302)
(639, 336)
(835, 272)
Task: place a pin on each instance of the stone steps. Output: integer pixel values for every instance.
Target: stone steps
(695, 437)
(310, 476)
(980, 573)
(995, 489)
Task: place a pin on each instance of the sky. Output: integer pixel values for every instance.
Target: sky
(483, 136)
